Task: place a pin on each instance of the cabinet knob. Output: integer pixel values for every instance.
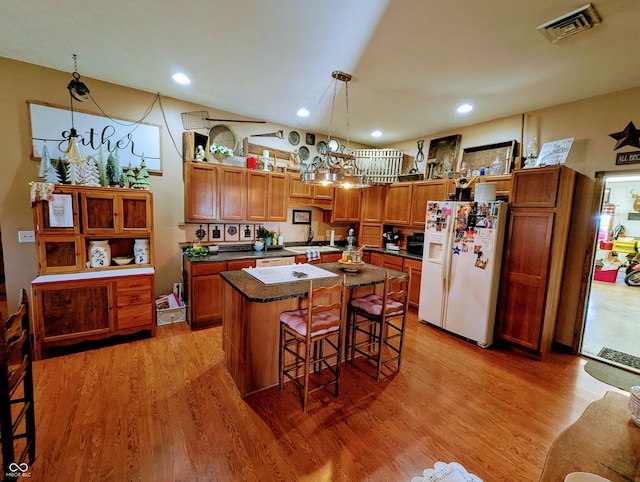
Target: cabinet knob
(116, 214)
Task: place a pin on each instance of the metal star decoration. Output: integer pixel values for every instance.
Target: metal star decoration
(630, 136)
(456, 250)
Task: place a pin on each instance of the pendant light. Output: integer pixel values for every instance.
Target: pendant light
(337, 168)
(73, 154)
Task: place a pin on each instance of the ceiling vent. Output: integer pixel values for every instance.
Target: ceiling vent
(571, 23)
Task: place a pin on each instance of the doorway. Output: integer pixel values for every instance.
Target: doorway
(612, 321)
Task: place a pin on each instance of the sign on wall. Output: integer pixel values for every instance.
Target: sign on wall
(623, 158)
(98, 136)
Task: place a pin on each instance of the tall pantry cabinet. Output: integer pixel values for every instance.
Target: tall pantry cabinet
(539, 280)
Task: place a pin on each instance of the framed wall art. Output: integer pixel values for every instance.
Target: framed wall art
(479, 159)
(301, 217)
(443, 155)
(98, 135)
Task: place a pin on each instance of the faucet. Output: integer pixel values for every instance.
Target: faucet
(310, 235)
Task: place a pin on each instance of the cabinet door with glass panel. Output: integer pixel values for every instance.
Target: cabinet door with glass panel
(107, 213)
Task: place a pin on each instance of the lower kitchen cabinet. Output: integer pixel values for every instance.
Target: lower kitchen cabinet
(416, 278)
(203, 292)
(69, 309)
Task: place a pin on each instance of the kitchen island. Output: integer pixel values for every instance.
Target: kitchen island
(251, 326)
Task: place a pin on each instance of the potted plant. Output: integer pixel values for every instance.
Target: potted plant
(262, 233)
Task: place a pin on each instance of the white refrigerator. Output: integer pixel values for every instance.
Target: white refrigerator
(461, 267)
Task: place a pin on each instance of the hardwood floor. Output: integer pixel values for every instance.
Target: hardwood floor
(165, 409)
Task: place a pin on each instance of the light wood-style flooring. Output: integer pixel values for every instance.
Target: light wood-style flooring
(165, 409)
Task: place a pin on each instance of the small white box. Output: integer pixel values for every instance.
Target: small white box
(170, 315)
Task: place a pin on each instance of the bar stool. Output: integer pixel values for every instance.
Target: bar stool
(319, 326)
(380, 322)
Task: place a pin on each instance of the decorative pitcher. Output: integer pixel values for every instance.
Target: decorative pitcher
(99, 253)
(141, 251)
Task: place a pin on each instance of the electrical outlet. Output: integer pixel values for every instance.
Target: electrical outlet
(26, 237)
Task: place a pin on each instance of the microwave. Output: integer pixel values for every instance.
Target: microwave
(415, 243)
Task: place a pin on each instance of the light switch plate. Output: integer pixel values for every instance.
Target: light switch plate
(26, 237)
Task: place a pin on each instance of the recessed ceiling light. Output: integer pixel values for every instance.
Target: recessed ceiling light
(464, 108)
(181, 78)
(376, 134)
(303, 112)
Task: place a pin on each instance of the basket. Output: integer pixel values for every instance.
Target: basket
(607, 275)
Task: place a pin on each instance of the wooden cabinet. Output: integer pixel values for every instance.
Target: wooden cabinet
(257, 196)
(70, 309)
(503, 184)
(278, 186)
(370, 235)
(346, 205)
(118, 215)
(535, 284)
(200, 192)
(416, 277)
(233, 198)
(426, 191)
(397, 209)
(372, 204)
(74, 302)
(203, 292)
(305, 194)
(387, 261)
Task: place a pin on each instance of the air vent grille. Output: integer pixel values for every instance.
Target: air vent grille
(571, 23)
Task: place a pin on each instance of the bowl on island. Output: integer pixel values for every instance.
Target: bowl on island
(122, 260)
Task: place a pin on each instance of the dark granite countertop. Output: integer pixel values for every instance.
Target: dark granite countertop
(256, 291)
(280, 253)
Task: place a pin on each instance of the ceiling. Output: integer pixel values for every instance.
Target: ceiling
(412, 61)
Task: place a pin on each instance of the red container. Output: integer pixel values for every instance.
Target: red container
(606, 245)
(252, 163)
(608, 275)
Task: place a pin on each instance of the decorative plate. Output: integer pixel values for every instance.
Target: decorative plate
(303, 152)
(334, 145)
(317, 161)
(294, 138)
(322, 147)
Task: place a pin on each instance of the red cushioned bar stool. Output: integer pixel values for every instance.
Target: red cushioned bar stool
(311, 339)
(377, 322)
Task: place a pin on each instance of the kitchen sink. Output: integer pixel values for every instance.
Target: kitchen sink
(303, 249)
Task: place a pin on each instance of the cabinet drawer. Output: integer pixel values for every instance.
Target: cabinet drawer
(392, 262)
(134, 297)
(412, 263)
(241, 263)
(135, 315)
(134, 283)
(198, 269)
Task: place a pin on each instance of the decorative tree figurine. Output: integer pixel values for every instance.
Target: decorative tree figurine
(45, 162)
(73, 173)
(90, 174)
(129, 177)
(114, 173)
(62, 172)
(142, 179)
(52, 175)
(102, 170)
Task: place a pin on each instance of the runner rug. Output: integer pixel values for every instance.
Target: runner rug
(614, 376)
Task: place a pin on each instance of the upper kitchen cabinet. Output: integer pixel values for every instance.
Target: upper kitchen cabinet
(346, 205)
(201, 192)
(257, 196)
(278, 187)
(372, 204)
(110, 211)
(233, 199)
(397, 210)
(266, 196)
(305, 194)
(424, 191)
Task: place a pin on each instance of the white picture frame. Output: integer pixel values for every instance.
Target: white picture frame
(247, 232)
(232, 232)
(216, 232)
